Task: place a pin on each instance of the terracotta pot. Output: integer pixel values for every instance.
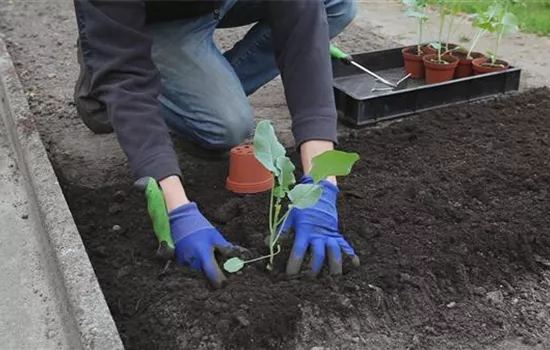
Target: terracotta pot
(246, 173)
(428, 50)
(464, 68)
(480, 66)
(413, 62)
(439, 72)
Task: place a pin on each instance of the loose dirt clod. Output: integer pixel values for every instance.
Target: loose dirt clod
(444, 216)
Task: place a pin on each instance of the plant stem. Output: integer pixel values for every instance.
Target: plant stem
(282, 224)
(441, 25)
(271, 210)
(499, 39)
(420, 29)
(450, 31)
(501, 33)
(479, 33)
(263, 257)
(272, 228)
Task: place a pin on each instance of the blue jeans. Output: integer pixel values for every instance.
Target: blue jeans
(204, 92)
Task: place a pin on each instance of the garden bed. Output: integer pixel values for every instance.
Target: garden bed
(449, 213)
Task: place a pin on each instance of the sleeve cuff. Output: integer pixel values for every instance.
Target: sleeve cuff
(315, 128)
(159, 167)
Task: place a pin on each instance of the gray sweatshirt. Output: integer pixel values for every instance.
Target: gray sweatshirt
(118, 54)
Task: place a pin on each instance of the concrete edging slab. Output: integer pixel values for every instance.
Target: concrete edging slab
(85, 312)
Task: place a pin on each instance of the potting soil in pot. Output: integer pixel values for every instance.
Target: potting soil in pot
(449, 213)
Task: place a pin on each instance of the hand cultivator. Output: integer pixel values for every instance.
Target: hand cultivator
(347, 59)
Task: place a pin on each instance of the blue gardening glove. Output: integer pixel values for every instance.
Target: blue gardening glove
(317, 227)
(196, 240)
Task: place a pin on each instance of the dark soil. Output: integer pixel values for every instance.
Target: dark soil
(449, 213)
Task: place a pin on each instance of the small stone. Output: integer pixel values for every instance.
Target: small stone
(479, 291)
(115, 209)
(405, 277)
(451, 305)
(496, 297)
(515, 301)
(51, 76)
(243, 320)
(530, 340)
(119, 196)
(116, 228)
(124, 271)
(317, 348)
(355, 339)
(25, 216)
(200, 296)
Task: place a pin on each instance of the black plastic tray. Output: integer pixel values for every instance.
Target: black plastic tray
(359, 106)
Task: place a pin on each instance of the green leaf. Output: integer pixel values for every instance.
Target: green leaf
(279, 192)
(510, 23)
(416, 14)
(286, 173)
(435, 45)
(266, 146)
(332, 163)
(486, 26)
(233, 265)
(510, 20)
(305, 195)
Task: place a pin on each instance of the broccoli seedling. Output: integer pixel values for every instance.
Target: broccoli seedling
(285, 193)
(417, 9)
(497, 20)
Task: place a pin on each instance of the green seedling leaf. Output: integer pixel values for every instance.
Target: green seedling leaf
(286, 173)
(305, 195)
(266, 146)
(417, 15)
(279, 192)
(435, 45)
(332, 163)
(510, 23)
(233, 265)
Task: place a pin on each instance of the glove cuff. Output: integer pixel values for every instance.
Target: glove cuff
(325, 184)
(184, 209)
(186, 220)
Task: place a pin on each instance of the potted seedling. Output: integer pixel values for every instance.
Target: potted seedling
(483, 21)
(285, 193)
(503, 23)
(451, 9)
(412, 55)
(440, 66)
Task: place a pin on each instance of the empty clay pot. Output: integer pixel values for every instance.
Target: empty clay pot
(480, 66)
(464, 68)
(413, 62)
(246, 173)
(439, 72)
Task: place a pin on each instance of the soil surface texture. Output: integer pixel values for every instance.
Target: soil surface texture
(448, 211)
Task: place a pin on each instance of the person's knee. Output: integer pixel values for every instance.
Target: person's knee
(340, 14)
(234, 123)
(237, 128)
